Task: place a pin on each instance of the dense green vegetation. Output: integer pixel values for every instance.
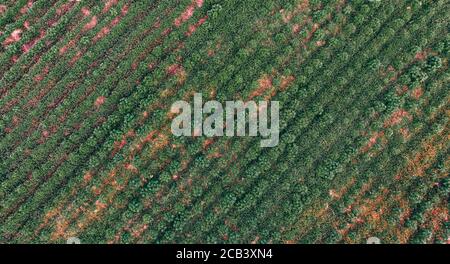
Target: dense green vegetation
(86, 148)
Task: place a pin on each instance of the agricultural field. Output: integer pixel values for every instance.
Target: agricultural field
(87, 151)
